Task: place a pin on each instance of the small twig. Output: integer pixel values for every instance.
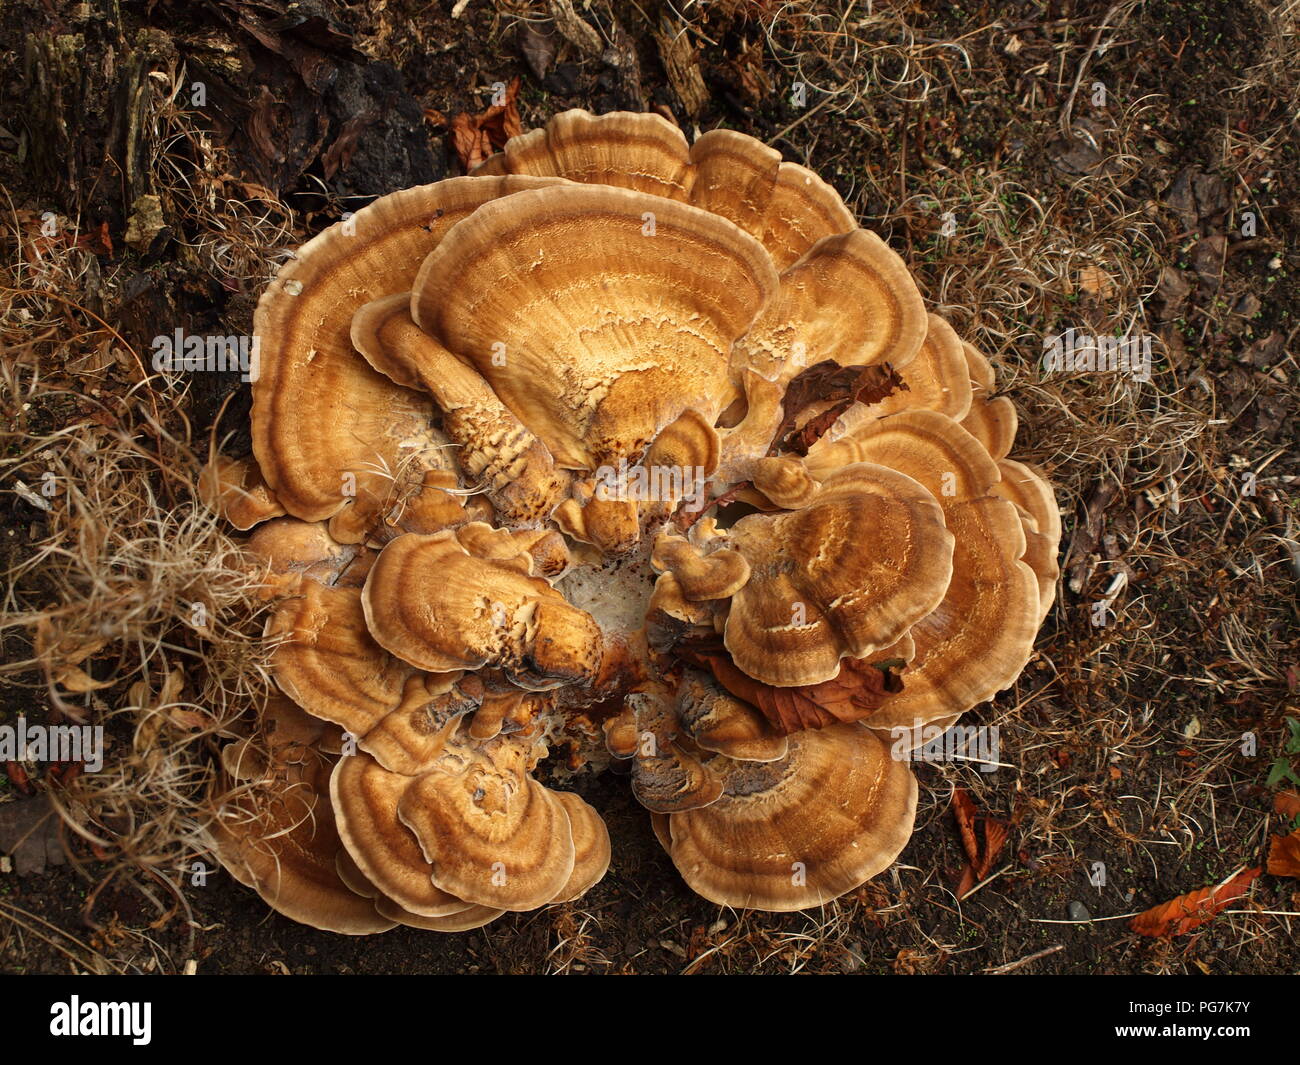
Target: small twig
(801, 119)
(1067, 111)
(1012, 966)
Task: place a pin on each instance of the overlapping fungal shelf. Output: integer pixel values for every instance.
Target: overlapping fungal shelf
(621, 452)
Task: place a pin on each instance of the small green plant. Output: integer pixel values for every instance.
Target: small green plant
(1282, 769)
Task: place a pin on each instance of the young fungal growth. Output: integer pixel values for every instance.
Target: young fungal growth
(557, 462)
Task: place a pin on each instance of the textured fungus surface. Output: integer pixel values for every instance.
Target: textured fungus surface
(541, 463)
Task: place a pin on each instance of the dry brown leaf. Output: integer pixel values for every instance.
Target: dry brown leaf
(1188, 912)
(75, 679)
(963, 809)
(1284, 855)
(995, 838)
(1287, 804)
(829, 382)
(475, 137)
(852, 695)
(980, 856)
(61, 655)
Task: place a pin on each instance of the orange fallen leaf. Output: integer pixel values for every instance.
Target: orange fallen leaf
(981, 856)
(474, 137)
(1287, 804)
(853, 694)
(963, 809)
(995, 838)
(1190, 911)
(1284, 855)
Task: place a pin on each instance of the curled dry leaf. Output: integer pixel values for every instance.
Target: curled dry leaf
(834, 389)
(852, 695)
(1188, 912)
(1287, 804)
(980, 856)
(1284, 855)
(475, 137)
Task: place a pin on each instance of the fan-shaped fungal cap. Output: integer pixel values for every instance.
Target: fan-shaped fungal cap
(290, 548)
(928, 446)
(992, 421)
(328, 663)
(1029, 489)
(234, 488)
(365, 798)
(542, 551)
(849, 300)
(413, 733)
(976, 642)
(620, 732)
(688, 445)
(798, 832)
(591, 847)
(847, 575)
(671, 615)
(667, 775)
(785, 481)
(431, 603)
(626, 149)
(601, 338)
(803, 210)
(735, 177)
(786, 206)
(494, 835)
(597, 315)
(721, 723)
(460, 921)
(611, 525)
(718, 575)
(495, 448)
(283, 845)
(320, 412)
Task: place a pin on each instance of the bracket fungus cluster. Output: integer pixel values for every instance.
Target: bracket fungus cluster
(627, 453)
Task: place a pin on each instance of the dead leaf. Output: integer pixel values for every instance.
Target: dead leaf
(1188, 912)
(963, 809)
(1096, 282)
(29, 831)
(853, 694)
(830, 382)
(475, 137)
(980, 857)
(61, 655)
(18, 777)
(995, 838)
(1287, 804)
(339, 154)
(538, 49)
(1284, 855)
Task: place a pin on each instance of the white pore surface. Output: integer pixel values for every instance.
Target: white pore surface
(616, 593)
